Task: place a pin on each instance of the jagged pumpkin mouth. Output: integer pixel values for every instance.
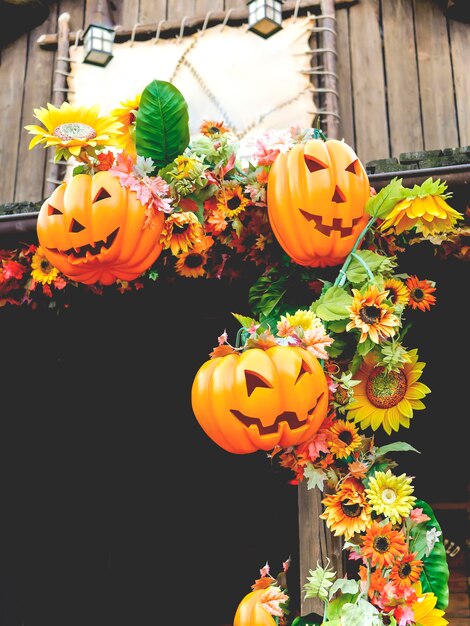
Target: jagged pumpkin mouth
(290, 417)
(88, 251)
(344, 231)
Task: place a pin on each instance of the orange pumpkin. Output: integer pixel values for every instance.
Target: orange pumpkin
(250, 611)
(92, 230)
(259, 399)
(316, 196)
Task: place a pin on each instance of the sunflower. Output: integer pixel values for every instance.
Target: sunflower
(42, 270)
(420, 293)
(231, 201)
(406, 571)
(181, 231)
(390, 495)
(424, 611)
(425, 209)
(387, 398)
(371, 315)
(343, 439)
(72, 128)
(382, 545)
(347, 511)
(126, 114)
(191, 264)
(398, 292)
(213, 129)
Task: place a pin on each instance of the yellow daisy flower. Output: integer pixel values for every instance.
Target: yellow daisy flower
(428, 212)
(390, 495)
(387, 399)
(307, 320)
(231, 201)
(347, 511)
(371, 315)
(181, 231)
(73, 128)
(125, 114)
(42, 270)
(424, 610)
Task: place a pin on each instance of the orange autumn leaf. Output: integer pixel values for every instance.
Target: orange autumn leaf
(263, 583)
(222, 351)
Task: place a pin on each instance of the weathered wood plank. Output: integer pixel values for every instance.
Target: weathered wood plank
(460, 43)
(151, 12)
(435, 73)
(12, 76)
(343, 69)
(234, 4)
(37, 93)
(76, 10)
(317, 544)
(402, 77)
(370, 115)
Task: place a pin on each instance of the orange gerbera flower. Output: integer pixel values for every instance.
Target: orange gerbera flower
(181, 231)
(406, 571)
(398, 292)
(420, 293)
(210, 128)
(371, 315)
(343, 438)
(347, 511)
(231, 201)
(382, 545)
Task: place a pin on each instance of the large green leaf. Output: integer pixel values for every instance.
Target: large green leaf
(435, 574)
(162, 123)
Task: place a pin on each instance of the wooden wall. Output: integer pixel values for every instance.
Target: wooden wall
(403, 80)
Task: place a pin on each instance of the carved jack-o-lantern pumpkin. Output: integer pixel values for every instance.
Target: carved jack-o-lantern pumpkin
(316, 196)
(259, 399)
(92, 230)
(250, 611)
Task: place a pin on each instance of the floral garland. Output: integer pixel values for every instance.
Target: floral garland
(216, 224)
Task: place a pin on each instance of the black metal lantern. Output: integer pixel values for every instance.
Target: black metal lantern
(265, 17)
(98, 39)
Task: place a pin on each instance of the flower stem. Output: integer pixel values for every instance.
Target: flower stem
(341, 278)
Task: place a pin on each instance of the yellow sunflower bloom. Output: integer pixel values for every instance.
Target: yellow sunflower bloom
(231, 201)
(424, 611)
(42, 270)
(387, 399)
(347, 511)
(390, 495)
(73, 128)
(429, 213)
(370, 315)
(343, 439)
(398, 292)
(125, 114)
(181, 231)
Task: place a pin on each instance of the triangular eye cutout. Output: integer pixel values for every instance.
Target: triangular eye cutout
(101, 195)
(51, 210)
(314, 164)
(304, 369)
(354, 168)
(338, 196)
(254, 380)
(75, 227)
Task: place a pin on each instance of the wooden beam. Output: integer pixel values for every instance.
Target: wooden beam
(171, 28)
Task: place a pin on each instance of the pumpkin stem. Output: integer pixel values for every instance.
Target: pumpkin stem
(317, 133)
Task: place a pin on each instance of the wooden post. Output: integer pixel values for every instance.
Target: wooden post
(59, 91)
(331, 117)
(317, 544)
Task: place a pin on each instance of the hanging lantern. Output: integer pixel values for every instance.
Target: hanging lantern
(316, 197)
(265, 17)
(259, 399)
(98, 38)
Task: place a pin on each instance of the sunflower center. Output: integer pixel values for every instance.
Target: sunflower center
(180, 228)
(351, 510)
(233, 203)
(194, 260)
(385, 389)
(74, 130)
(345, 437)
(45, 265)
(381, 544)
(370, 314)
(405, 570)
(388, 496)
(418, 294)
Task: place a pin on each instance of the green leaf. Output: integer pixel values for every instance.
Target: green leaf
(312, 619)
(346, 586)
(336, 348)
(337, 326)
(244, 321)
(332, 305)
(365, 347)
(333, 611)
(380, 205)
(357, 273)
(266, 294)
(315, 476)
(435, 574)
(162, 123)
(398, 446)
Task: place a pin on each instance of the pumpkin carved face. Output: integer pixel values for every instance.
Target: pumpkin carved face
(316, 196)
(92, 230)
(250, 611)
(261, 398)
